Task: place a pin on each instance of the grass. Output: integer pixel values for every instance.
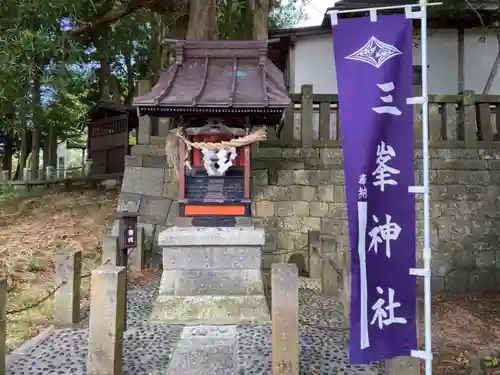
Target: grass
(32, 228)
(466, 328)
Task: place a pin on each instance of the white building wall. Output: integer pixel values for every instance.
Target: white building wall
(314, 62)
(478, 60)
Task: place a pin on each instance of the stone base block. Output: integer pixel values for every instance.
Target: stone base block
(195, 310)
(212, 257)
(211, 282)
(209, 236)
(211, 276)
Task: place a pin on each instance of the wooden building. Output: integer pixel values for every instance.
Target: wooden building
(108, 136)
(218, 92)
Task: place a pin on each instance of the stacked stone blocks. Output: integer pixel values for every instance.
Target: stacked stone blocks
(150, 188)
(298, 190)
(211, 275)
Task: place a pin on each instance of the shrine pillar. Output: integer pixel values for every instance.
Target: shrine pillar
(145, 123)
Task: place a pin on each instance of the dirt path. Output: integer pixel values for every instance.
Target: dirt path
(465, 327)
(31, 230)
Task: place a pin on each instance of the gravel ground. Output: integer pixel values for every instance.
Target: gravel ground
(149, 348)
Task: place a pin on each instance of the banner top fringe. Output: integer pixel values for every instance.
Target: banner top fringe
(373, 11)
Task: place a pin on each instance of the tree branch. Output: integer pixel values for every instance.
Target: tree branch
(119, 12)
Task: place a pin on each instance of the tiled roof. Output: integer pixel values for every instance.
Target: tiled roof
(211, 75)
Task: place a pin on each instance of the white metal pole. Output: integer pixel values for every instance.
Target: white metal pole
(425, 157)
(423, 100)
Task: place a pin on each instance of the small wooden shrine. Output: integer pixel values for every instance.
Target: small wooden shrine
(221, 95)
(108, 136)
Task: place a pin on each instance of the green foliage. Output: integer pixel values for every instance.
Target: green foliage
(235, 19)
(491, 361)
(487, 14)
(148, 243)
(287, 14)
(39, 51)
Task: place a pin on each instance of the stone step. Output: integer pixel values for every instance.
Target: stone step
(139, 150)
(205, 350)
(199, 282)
(207, 258)
(192, 310)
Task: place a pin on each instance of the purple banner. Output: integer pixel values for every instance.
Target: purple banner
(374, 75)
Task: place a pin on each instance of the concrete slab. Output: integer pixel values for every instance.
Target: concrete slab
(195, 310)
(200, 236)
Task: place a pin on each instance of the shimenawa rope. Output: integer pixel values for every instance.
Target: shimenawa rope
(172, 149)
(256, 136)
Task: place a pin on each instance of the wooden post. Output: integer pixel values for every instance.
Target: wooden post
(247, 172)
(468, 117)
(338, 128)
(26, 174)
(49, 172)
(137, 255)
(331, 272)
(306, 119)
(110, 252)
(449, 111)
(285, 318)
(485, 122)
(435, 118)
(324, 121)
(314, 250)
(346, 281)
(67, 284)
(145, 123)
(287, 131)
(105, 345)
(88, 167)
(3, 318)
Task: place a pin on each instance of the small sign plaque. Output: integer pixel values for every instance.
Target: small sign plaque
(127, 229)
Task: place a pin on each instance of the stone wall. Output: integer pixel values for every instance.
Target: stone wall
(149, 188)
(297, 190)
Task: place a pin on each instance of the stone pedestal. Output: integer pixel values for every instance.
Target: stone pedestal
(211, 276)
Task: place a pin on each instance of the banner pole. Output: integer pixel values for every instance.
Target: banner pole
(425, 156)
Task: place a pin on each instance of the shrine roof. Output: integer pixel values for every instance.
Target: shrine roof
(218, 76)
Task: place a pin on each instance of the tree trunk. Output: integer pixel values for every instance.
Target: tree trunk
(179, 28)
(45, 148)
(260, 10)
(202, 23)
(494, 70)
(37, 118)
(24, 149)
(127, 56)
(105, 69)
(49, 149)
(52, 156)
(8, 141)
(160, 32)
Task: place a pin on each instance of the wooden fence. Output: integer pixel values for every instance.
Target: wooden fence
(466, 120)
(74, 177)
(332, 266)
